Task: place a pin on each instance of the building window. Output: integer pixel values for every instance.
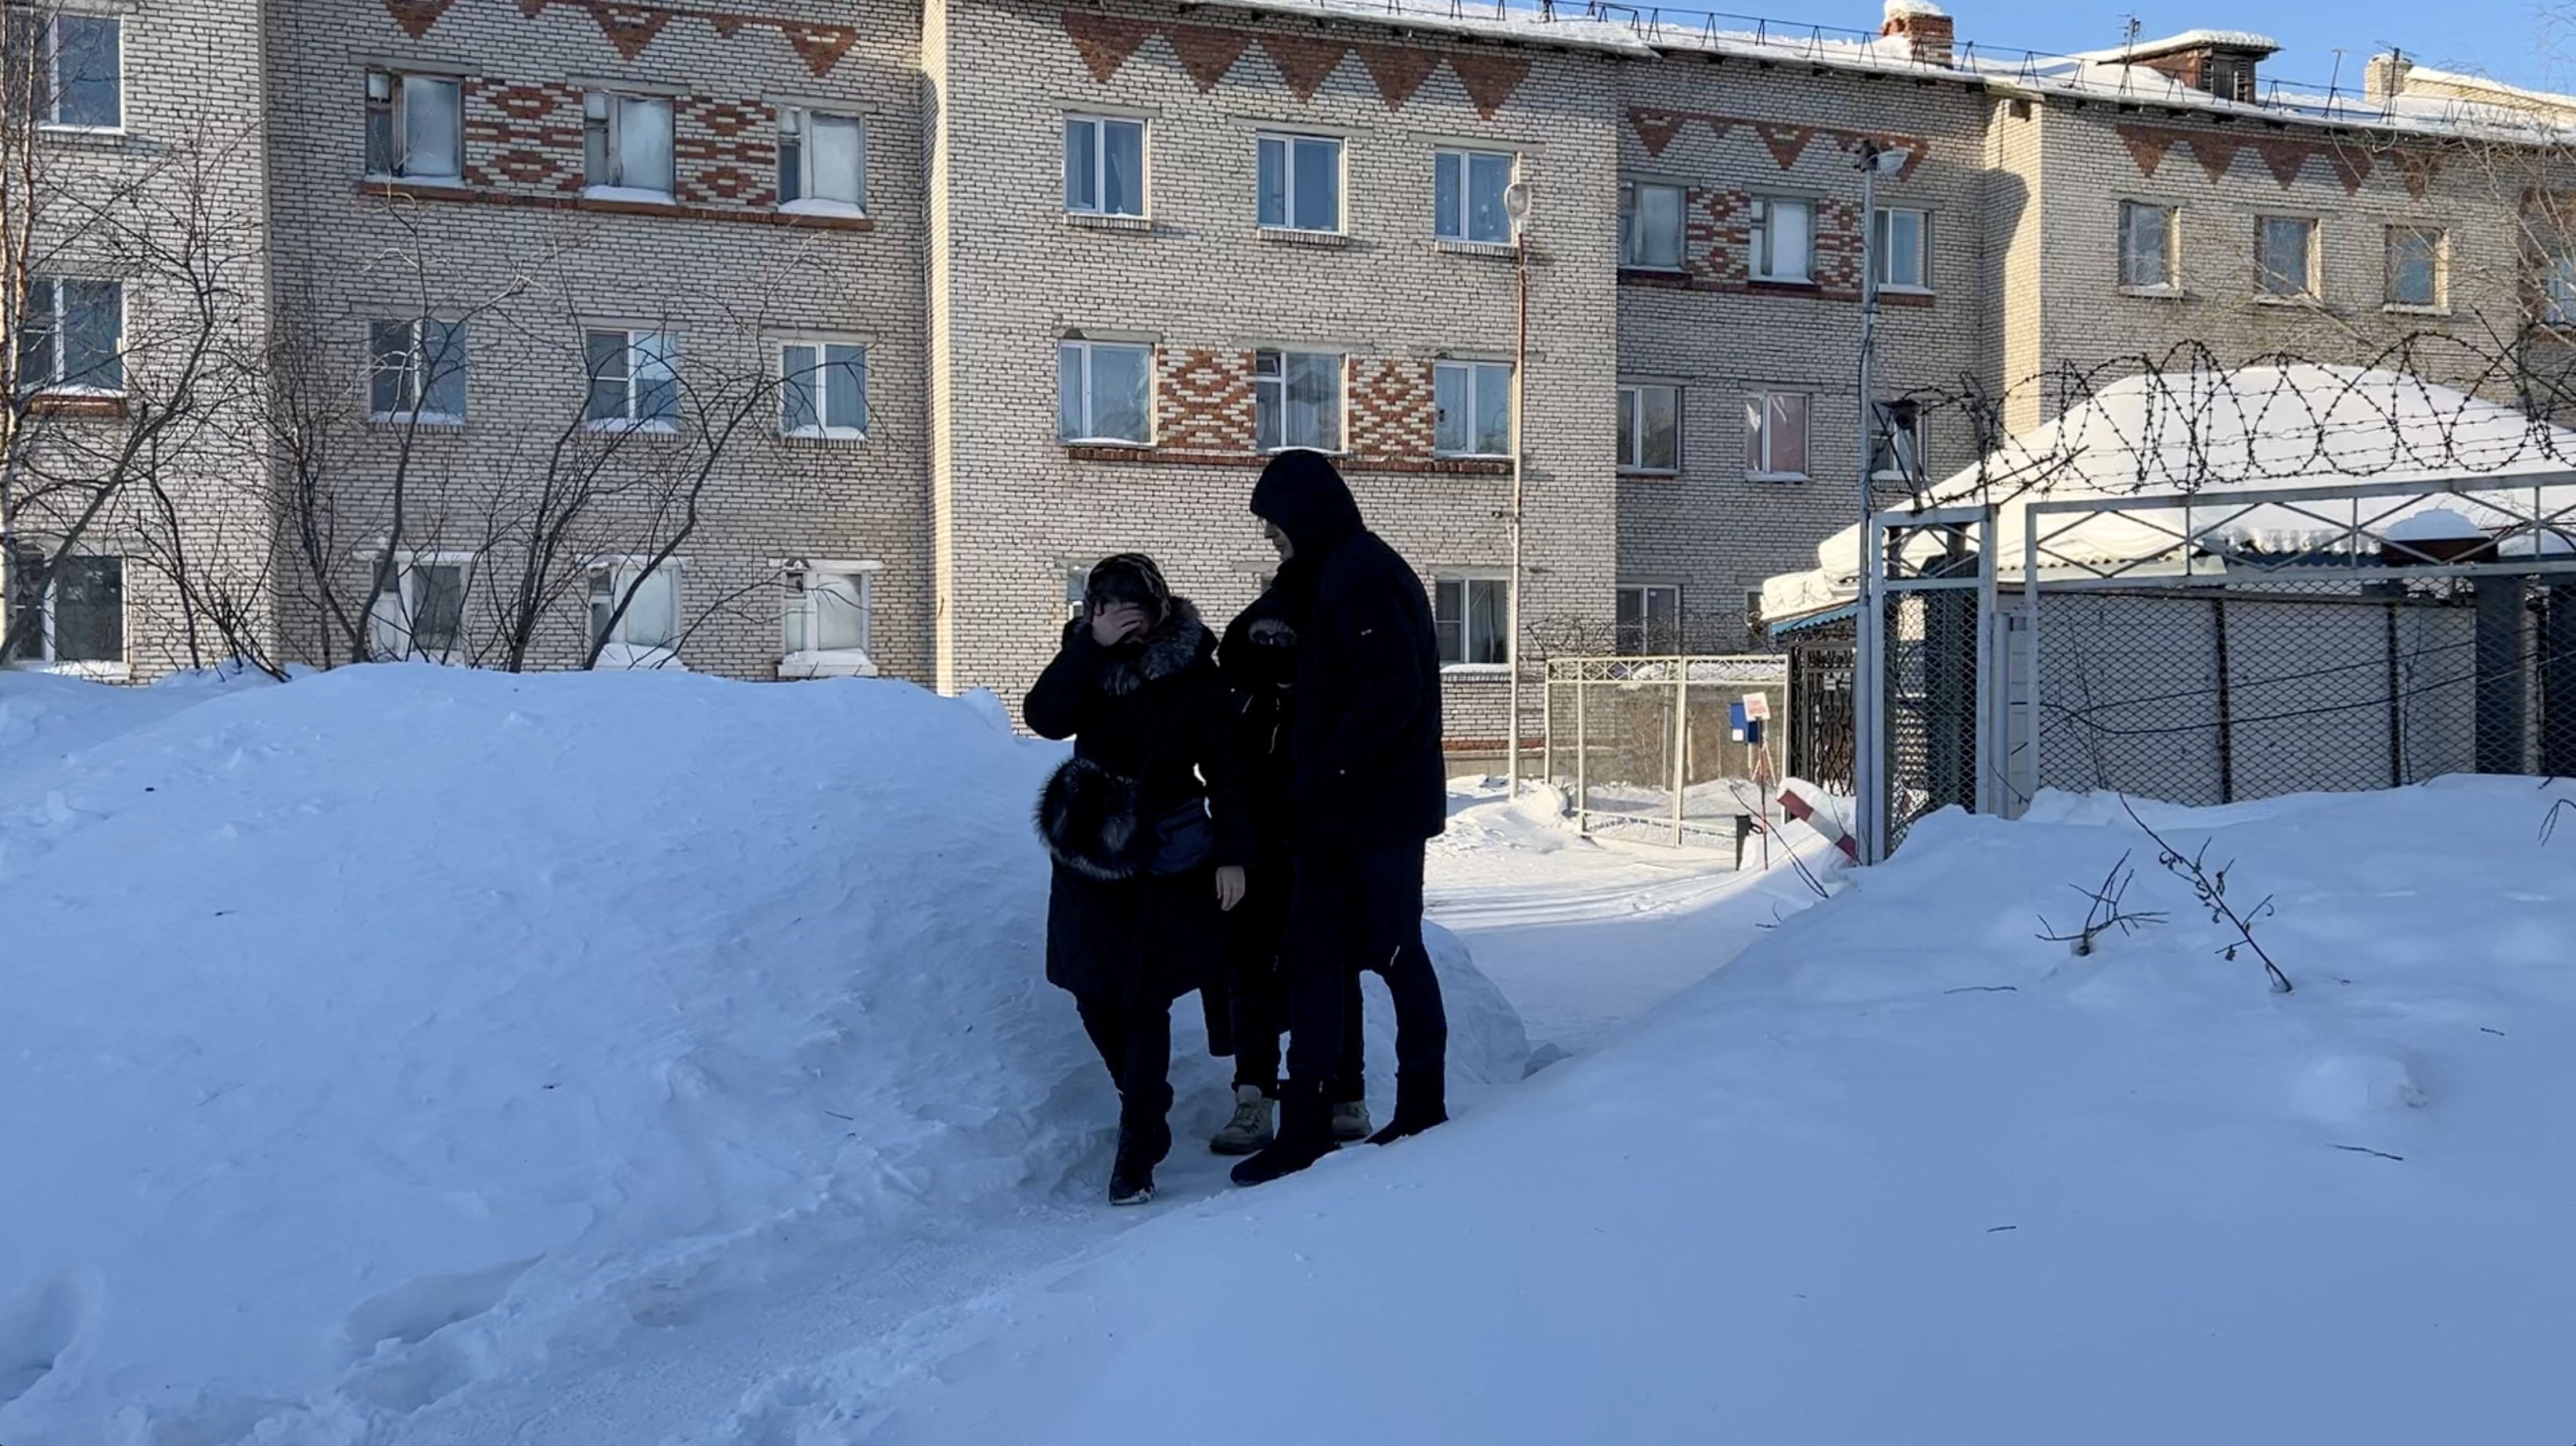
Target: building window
(1896, 444)
(1104, 392)
(1077, 586)
(1650, 226)
(82, 599)
(78, 64)
(416, 370)
(626, 145)
(415, 127)
(1649, 620)
(1775, 436)
(2285, 256)
(1472, 616)
(634, 379)
(2558, 303)
(74, 337)
(648, 631)
(2228, 77)
(2147, 247)
(1650, 429)
(1467, 196)
(1104, 166)
(1472, 409)
(1784, 239)
(1297, 400)
(825, 623)
(1903, 247)
(423, 614)
(2416, 266)
(1301, 183)
(822, 162)
(822, 389)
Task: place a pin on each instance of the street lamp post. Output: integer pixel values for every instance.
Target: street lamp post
(1869, 751)
(1516, 203)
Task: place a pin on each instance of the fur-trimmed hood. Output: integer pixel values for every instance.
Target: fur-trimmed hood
(1173, 645)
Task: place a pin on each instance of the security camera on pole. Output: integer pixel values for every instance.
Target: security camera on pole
(1869, 750)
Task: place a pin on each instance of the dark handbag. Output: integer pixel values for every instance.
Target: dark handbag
(1183, 839)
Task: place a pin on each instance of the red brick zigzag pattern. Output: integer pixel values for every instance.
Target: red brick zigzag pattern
(1207, 52)
(630, 29)
(2284, 156)
(1657, 129)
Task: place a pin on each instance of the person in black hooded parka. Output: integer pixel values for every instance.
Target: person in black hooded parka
(1259, 661)
(1368, 791)
(1146, 853)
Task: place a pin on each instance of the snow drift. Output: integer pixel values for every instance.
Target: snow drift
(1906, 1173)
(380, 1034)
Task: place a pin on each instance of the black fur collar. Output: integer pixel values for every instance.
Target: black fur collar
(1169, 648)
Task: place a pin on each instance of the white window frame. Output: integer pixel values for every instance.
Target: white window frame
(1289, 141)
(1077, 584)
(2558, 287)
(2168, 252)
(825, 426)
(1469, 582)
(394, 103)
(604, 116)
(1762, 251)
(2441, 238)
(1476, 376)
(629, 421)
(1883, 251)
(1760, 455)
(389, 629)
(1632, 429)
(1629, 234)
(1897, 417)
(805, 603)
(415, 373)
(51, 45)
(1274, 386)
(799, 122)
(53, 383)
(1091, 435)
(2312, 288)
(1455, 228)
(1100, 125)
(1645, 620)
(621, 653)
(47, 660)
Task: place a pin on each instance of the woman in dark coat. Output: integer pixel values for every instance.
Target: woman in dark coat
(1259, 661)
(1146, 824)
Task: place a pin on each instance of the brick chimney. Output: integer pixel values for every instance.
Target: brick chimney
(1925, 28)
(2384, 79)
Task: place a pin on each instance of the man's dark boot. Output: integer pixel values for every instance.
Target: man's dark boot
(1305, 1135)
(1421, 1101)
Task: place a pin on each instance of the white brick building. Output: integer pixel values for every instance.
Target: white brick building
(789, 337)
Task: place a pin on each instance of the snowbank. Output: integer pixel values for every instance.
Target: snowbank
(402, 1030)
(1906, 1173)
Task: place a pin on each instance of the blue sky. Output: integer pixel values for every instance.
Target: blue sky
(2508, 39)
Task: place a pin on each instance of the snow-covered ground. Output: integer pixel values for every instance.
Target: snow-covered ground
(1906, 1173)
(414, 1057)
(407, 1053)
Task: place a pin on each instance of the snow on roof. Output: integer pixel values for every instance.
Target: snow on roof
(1914, 9)
(1487, 21)
(2219, 435)
(2187, 40)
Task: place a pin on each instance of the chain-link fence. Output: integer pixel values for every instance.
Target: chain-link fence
(2271, 686)
(1672, 750)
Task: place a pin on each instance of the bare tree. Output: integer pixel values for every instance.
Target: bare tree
(127, 275)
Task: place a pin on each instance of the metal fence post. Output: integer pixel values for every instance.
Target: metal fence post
(1547, 722)
(1582, 753)
(1681, 745)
